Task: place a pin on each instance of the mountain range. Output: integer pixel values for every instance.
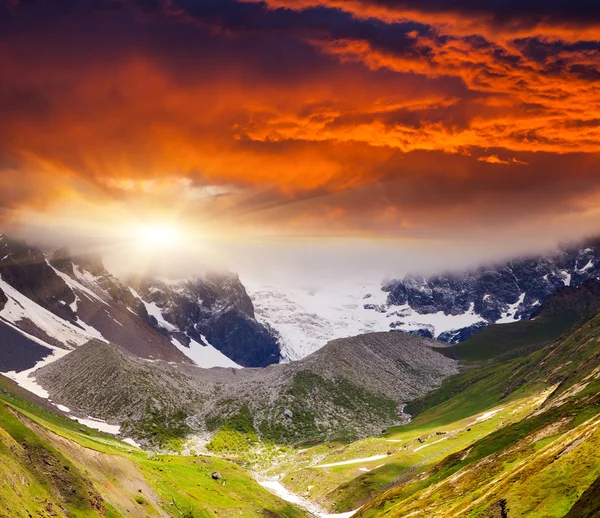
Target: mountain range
(52, 303)
(451, 307)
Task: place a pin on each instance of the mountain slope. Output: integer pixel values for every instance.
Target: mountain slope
(59, 302)
(450, 307)
(352, 386)
(558, 314)
(500, 293)
(212, 310)
(525, 431)
(53, 466)
(544, 450)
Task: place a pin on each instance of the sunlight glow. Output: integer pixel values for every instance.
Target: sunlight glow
(157, 235)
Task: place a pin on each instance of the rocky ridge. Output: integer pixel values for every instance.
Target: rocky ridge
(499, 293)
(353, 385)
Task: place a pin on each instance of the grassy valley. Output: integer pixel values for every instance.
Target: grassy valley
(521, 433)
(511, 435)
(53, 466)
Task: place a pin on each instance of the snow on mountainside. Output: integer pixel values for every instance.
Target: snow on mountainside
(59, 302)
(52, 304)
(491, 294)
(307, 318)
(448, 307)
(215, 309)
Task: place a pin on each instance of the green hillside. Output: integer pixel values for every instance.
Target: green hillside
(523, 432)
(53, 466)
(519, 436)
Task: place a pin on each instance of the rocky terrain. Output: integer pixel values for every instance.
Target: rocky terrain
(499, 293)
(351, 386)
(215, 309)
(54, 467)
(51, 303)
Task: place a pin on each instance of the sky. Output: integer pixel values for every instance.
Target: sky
(395, 133)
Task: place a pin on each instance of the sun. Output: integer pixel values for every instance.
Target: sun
(154, 235)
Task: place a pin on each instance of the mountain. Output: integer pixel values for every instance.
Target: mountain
(520, 436)
(52, 303)
(215, 309)
(567, 307)
(451, 307)
(540, 465)
(307, 316)
(352, 386)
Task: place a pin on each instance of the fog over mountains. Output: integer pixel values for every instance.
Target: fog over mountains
(52, 303)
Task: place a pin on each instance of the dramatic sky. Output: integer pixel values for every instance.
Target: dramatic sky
(436, 127)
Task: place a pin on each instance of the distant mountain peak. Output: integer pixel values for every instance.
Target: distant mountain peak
(498, 293)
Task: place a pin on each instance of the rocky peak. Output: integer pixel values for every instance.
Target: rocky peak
(496, 293)
(216, 309)
(62, 259)
(25, 268)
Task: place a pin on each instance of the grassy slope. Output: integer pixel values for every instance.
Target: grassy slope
(51, 464)
(406, 450)
(510, 340)
(542, 382)
(541, 465)
(453, 459)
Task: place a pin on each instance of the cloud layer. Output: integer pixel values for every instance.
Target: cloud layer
(354, 117)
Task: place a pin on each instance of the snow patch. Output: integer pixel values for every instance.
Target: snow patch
(429, 444)
(439, 322)
(75, 285)
(19, 307)
(92, 331)
(510, 314)
(488, 415)
(566, 277)
(98, 424)
(156, 312)
(131, 442)
(353, 461)
(26, 380)
(205, 356)
(307, 318)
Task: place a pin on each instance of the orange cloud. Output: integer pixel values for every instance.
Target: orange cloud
(296, 120)
(493, 159)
